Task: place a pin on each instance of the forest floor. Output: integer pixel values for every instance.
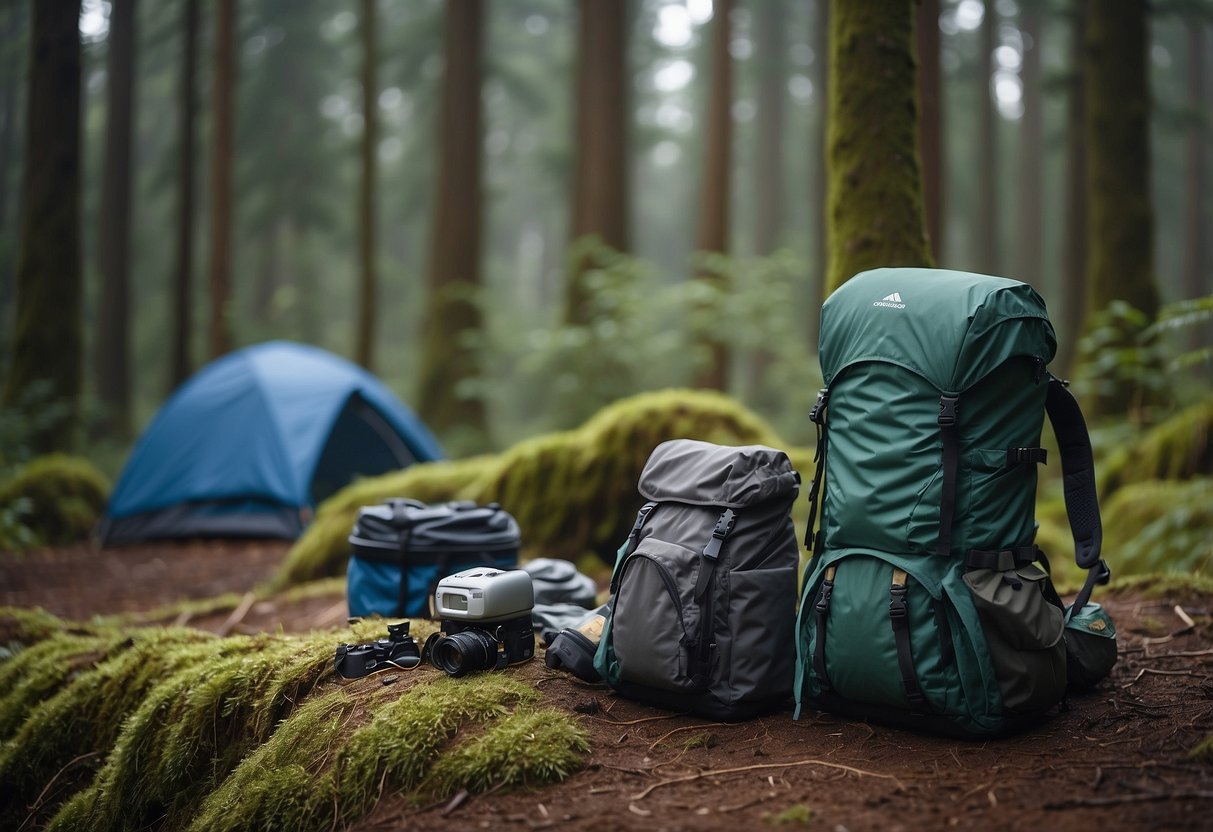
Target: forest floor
(1115, 758)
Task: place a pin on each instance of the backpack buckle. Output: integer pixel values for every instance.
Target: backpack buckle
(947, 411)
(723, 527)
(823, 397)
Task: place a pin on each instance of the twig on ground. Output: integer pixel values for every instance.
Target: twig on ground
(634, 721)
(686, 728)
(51, 782)
(330, 616)
(238, 614)
(1188, 654)
(717, 772)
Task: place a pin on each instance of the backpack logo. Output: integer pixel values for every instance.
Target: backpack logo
(892, 301)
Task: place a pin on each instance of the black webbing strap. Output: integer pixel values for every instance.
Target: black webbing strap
(1027, 456)
(1098, 574)
(951, 463)
(402, 599)
(633, 539)
(701, 654)
(900, 618)
(1078, 470)
(821, 615)
(818, 417)
(1003, 559)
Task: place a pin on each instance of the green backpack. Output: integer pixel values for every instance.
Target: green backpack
(926, 602)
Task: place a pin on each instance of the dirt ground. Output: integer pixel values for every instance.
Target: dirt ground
(1116, 758)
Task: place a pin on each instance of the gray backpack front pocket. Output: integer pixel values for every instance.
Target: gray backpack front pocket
(656, 620)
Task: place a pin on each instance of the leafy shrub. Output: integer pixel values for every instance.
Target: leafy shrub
(51, 501)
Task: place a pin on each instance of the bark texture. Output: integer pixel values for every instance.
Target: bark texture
(930, 124)
(449, 358)
(222, 95)
(1029, 242)
(875, 215)
(986, 255)
(181, 364)
(112, 352)
(1074, 243)
(600, 179)
(48, 345)
(770, 41)
(366, 199)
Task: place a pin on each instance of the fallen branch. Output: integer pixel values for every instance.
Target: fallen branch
(683, 728)
(47, 788)
(716, 772)
(238, 614)
(1128, 798)
(635, 721)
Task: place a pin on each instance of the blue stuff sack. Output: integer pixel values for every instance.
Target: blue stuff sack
(401, 548)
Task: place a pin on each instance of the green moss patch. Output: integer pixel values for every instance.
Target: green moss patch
(53, 500)
(117, 727)
(571, 492)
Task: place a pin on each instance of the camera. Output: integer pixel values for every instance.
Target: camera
(399, 650)
(486, 621)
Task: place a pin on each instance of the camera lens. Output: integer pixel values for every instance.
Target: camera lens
(465, 652)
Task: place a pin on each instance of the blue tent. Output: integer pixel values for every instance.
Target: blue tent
(253, 441)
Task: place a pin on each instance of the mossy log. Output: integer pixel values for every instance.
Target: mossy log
(572, 492)
(109, 728)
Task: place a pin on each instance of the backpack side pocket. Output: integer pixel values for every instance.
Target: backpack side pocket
(1023, 630)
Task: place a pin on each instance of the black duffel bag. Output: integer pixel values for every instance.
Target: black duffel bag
(401, 548)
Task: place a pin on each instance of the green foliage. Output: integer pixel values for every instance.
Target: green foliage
(33, 414)
(1132, 365)
(53, 500)
(643, 332)
(1161, 526)
(1177, 448)
(571, 492)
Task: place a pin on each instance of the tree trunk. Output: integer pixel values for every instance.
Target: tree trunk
(600, 180)
(222, 93)
(770, 47)
(986, 255)
(820, 148)
(366, 201)
(182, 305)
(48, 344)
(1195, 281)
(713, 233)
(1074, 244)
(449, 361)
(875, 213)
(14, 20)
(112, 351)
(1120, 224)
(930, 127)
(1029, 242)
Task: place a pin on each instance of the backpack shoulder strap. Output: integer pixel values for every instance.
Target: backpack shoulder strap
(1078, 470)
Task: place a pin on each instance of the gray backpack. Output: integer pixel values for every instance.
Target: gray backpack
(703, 595)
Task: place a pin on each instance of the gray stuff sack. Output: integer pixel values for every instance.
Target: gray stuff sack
(703, 594)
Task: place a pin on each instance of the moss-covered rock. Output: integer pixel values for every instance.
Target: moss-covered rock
(57, 498)
(1161, 526)
(1177, 448)
(109, 728)
(572, 492)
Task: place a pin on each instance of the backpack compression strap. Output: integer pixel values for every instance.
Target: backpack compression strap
(818, 416)
(951, 463)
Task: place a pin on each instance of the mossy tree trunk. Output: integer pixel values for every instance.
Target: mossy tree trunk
(930, 125)
(713, 228)
(986, 255)
(875, 215)
(453, 320)
(770, 45)
(600, 178)
(1074, 243)
(222, 95)
(819, 194)
(366, 202)
(183, 277)
(48, 345)
(111, 353)
(1120, 220)
(1029, 242)
(1195, 276)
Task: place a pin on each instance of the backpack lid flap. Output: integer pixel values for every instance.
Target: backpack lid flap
(952, 328)
(700, 473)
(455, 525)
